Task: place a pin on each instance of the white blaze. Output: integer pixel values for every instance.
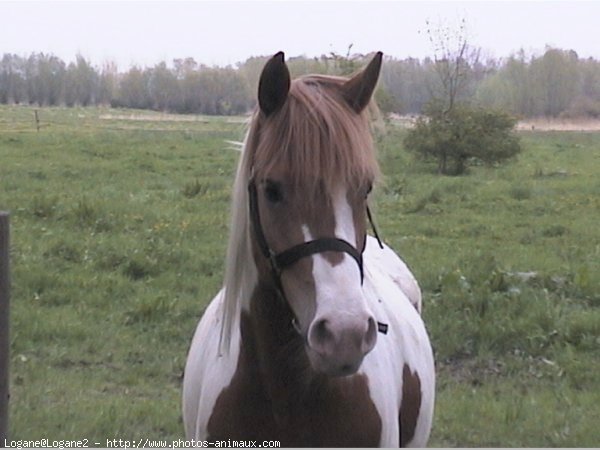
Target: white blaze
(338, 287)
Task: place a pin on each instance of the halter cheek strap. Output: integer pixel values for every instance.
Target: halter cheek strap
(285, 259)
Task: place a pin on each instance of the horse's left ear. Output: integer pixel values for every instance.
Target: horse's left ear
(358, 90)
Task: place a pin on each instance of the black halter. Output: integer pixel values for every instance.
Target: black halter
(280, 261)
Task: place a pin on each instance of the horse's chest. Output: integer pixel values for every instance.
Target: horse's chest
(340, 413)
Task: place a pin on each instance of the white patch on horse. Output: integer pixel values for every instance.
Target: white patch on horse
(344, 218)
(206, 372)
(405, 343)
(338, 286)
(397, 269)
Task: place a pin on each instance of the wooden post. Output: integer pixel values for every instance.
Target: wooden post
(37, 120)
(4, 336)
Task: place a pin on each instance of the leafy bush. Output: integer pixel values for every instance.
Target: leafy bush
(461, 136)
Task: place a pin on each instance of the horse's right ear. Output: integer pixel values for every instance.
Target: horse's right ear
(274, 85)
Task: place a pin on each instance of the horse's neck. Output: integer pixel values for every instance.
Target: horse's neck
(278, 350)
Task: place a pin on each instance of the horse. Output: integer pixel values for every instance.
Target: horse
(316, 338)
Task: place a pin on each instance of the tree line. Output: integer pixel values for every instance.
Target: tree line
(556, 83)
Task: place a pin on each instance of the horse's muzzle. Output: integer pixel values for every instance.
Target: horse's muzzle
(336, 346)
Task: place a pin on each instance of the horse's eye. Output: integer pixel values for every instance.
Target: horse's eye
(273, 192)
(369, 189)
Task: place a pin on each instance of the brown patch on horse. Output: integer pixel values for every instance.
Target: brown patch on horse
(411, 405)
(282, 221)
(357, 198)
(277, 396)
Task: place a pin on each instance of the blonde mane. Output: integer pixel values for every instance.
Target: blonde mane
(319, 139)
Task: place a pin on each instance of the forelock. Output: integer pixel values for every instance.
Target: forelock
(316, 137)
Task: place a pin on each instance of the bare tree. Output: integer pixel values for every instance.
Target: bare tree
(454, 59)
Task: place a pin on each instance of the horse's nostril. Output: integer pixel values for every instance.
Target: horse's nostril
(346, 369)
(320, 336)
(370, 337)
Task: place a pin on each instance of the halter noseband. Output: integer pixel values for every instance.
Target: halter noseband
(280, 261)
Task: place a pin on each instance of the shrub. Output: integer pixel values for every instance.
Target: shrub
(461, 136)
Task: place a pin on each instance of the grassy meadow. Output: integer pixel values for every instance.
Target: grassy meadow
(119, 223)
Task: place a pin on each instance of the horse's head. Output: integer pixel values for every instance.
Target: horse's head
(312, 168)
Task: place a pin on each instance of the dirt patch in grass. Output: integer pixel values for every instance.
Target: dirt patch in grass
(168, 118)
(548, 124)
(533, 124)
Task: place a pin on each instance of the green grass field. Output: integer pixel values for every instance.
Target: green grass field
(119, 223)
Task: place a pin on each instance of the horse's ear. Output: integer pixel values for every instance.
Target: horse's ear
(274, 85)
(358, 90)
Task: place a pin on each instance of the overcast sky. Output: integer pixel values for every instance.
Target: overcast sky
(226, 32)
